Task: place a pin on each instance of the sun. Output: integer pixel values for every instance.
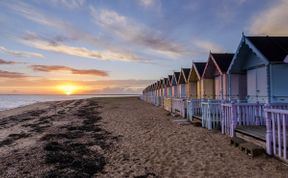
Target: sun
(68, 89)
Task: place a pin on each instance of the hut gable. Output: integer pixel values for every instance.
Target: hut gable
(255, 51)
(218, 64)
(170, 77)
(175, 78)
(184, 73)
(166, 82)
(196, 71)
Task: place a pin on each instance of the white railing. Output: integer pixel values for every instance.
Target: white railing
(211, 114)
(241, 114)
(276, 132)
(193, 108)
(178, 105)
(245, 114)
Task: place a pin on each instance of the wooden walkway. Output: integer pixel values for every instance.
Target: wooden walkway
(257, 132)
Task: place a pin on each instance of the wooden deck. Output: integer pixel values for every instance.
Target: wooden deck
(198, 117)
(255, 134)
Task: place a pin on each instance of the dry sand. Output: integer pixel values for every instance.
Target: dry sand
(117, 137)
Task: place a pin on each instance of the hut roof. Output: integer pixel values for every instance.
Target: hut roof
(200, 66)
(184, 73)
(223, 60)
(275, 49)
(175, 78)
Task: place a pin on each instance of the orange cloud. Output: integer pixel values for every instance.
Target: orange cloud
(7, 62)
(7, 74)
(46, 68)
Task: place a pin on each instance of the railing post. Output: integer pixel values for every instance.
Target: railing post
(268, 132)
(233, 119)
(223, 116)
(257, 110)
(209, 120)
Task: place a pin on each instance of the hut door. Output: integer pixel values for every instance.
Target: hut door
(262, 85)
(257, 85)
(251, 85)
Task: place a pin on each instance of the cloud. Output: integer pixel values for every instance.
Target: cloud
(20, 53)
(147, 3)
(3, 62)
(71, 4)
(271, 21)
(117, 90)
(136, 33)
(206, 46)
(52, 68)
(106, 55)
(7, 74)
(73, 33)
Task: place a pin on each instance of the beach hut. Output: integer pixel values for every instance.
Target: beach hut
(174, 84)
(195, 92)
(258, 74)
(261, 69)
(169, 84)
(180, 103)
(215, 80)
(177, 101)
(168, 98)
(194, 79)
(183, 84)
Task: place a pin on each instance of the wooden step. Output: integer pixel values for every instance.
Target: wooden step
(251, 149)
(235, 141)
(252, 134)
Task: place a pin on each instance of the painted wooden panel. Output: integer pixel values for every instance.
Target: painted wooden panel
(225, 86)
(251, 85)
(238, 84)
(252, 61)
(257, 85)
(182, 90)
(207, 86)
(279, 83)
(179, 90)
(199, 91)
(187, 89)
(262, 84)
(193, 90)
(218, 87)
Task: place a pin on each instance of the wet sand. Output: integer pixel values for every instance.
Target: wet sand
(117, 137)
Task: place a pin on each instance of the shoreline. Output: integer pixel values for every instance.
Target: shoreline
(40, 102)
(117, 137)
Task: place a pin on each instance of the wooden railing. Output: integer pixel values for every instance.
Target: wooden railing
(245, 114)
(276, 132)
(193, 108)
(242, 114)
(211, 114)
(178, 105)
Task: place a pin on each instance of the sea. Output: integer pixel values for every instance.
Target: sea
(13, 101)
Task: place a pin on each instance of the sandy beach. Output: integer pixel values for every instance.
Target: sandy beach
(117, 137)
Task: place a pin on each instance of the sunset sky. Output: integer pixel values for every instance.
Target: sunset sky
(120, 46)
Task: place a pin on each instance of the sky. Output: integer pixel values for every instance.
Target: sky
(120, 46)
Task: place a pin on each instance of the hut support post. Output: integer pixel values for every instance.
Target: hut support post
(233, 119)
(268, 133)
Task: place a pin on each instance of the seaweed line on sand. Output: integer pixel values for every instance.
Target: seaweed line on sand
(69, 154)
